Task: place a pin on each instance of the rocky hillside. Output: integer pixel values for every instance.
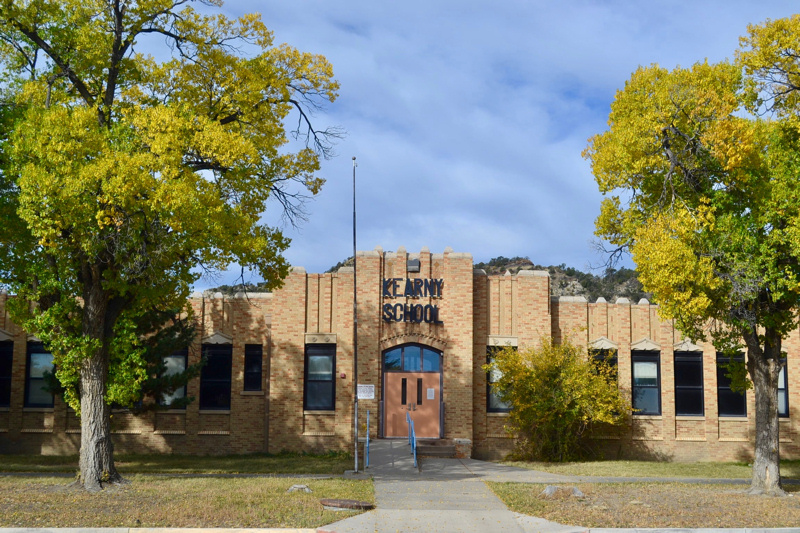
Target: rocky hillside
(564, 280)
(567, 281)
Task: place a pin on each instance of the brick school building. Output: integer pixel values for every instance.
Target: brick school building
(279, 373)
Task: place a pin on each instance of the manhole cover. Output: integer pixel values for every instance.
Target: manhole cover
(338, 504)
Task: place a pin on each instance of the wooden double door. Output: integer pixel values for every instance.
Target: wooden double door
(412, 385)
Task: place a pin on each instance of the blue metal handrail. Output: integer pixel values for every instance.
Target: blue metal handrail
(366, 445)
(412, 437)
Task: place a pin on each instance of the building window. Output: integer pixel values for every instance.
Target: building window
(39, 367)
(215, 377)
(783, 393)
(6, 353)
(252, 366)
(646, 382)
(493, 402)
(729, 403)
(412, 358)
(175, 364)
(320, 385)
(689, 384)
(608, 357)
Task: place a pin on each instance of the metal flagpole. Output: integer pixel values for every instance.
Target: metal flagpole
(355, 323)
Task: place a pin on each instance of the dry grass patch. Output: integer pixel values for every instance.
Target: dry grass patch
(789, 469)
(257, 463)
(156, 501)
(653, 505)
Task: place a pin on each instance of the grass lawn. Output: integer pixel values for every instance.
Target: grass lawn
(789, 469)
(653, 505)
(162, 501)
(285, 463)
(159, 501)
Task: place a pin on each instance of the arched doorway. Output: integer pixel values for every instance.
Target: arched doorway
(412, 383)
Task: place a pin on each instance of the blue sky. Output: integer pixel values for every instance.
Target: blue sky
(468, 118)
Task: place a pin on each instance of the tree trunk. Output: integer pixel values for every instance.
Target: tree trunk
(97, 451)
(764, 366)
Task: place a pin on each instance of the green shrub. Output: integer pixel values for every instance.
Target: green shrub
(557, 393)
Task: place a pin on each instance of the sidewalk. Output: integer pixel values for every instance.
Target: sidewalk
(448, 495)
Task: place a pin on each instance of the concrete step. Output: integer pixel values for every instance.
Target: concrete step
(436, 448)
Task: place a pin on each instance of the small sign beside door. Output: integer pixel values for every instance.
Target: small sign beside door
(431, 394)
(366, 392)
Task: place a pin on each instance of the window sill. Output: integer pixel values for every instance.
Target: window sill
(499, 414)
(37, 409)
(690, 417)
(172, 411)
(733, 417)
(252, 393)
(648, 417)
(329, 413)
(5, 409)
(215, 411)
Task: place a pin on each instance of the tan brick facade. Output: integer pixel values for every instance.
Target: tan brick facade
(435, 300)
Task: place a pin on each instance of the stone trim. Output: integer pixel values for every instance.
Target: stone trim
(218, 338)
(320, 338)
(686, 346)
(5, 336)
(501, 340)
(646, 344)
(603, 343)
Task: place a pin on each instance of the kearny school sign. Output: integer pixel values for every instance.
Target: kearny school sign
(412, 288)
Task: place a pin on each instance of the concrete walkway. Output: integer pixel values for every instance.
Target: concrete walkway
(448, 495)
(445, 495)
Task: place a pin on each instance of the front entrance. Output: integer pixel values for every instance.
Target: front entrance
(412, 384)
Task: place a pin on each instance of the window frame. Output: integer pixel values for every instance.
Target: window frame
(178, 393)
(724, 386)
(500, 406)
(783, 385)
(6, 362)
(422, 349)
(610, 356)
(646, 356)
(309, 384)
(253, 381)
(683, 390)
(36, 348)
(207, 401)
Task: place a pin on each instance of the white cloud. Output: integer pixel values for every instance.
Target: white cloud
(468, 118)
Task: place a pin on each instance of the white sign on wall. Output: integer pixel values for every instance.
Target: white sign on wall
(366, 392)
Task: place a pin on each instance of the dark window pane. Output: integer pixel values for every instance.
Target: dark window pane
(252, 367)
(39, 365)
(215, 395)
(320, 370)
(688, 373)
(412, 358)
(430, 360)
(732, 403)
(392, 359)
(645, 400)
(6, 355)
(319, 395)
(729, 403)
(215, 377)
(646, 378)
(689, 402)
(783, 398)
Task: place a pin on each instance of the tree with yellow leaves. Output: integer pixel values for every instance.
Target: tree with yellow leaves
(700, 167)
(558, 393)
(122, 173)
